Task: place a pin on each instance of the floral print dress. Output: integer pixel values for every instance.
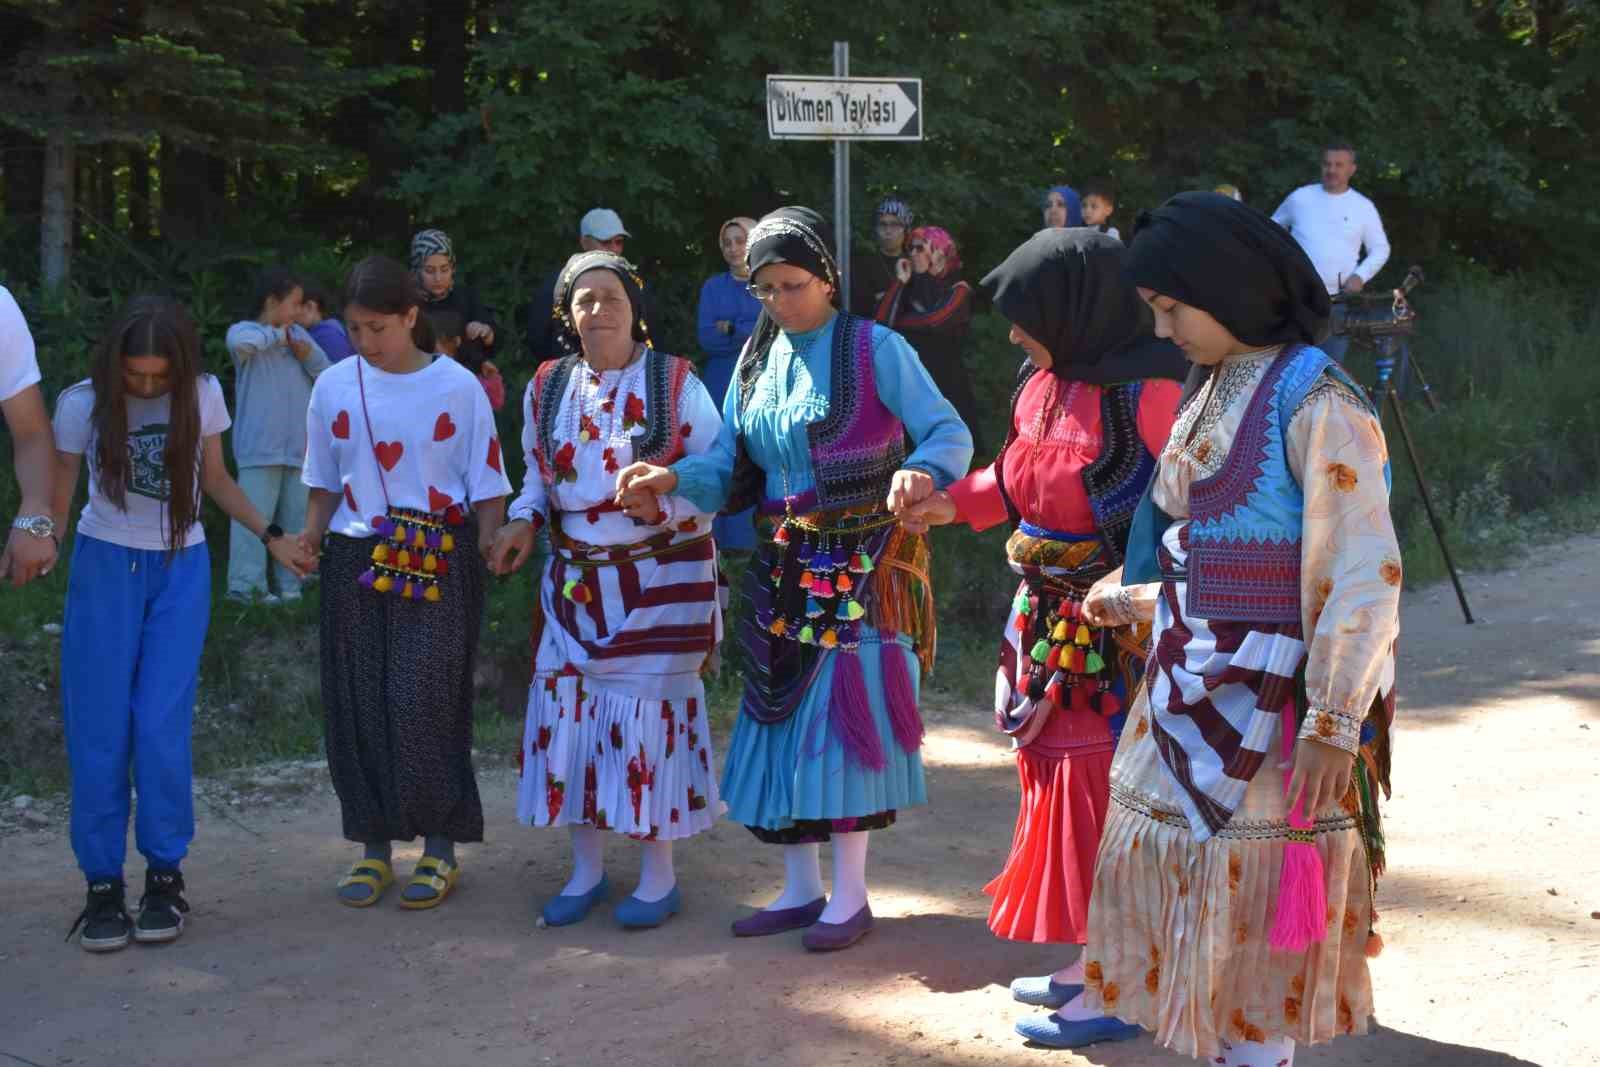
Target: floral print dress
(1178, 926)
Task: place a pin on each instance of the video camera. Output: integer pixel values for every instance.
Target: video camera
(1363, 322)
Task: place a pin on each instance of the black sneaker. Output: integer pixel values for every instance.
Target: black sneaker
(161, 908)
(104, 918)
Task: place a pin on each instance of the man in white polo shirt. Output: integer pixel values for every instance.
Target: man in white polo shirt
(1333, 222)
(31, 543)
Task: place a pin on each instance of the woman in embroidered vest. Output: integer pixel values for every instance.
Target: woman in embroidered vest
(617, 737)
(1095, 406)
(814, 428)
(1223, 918)
(406, 482)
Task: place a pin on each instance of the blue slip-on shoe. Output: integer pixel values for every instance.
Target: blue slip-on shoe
(1043, 992)
(1052, 1031)
(636, 914)
(566, 910)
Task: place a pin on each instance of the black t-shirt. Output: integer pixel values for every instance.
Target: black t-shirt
(870, 275)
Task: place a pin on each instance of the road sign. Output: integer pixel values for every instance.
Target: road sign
(803, 108)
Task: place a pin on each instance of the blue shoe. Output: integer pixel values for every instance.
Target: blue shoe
(1052, 1031)
(566, 910)
(1043, 992)
(636, 914)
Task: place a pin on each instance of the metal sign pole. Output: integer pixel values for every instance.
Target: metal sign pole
(841, 182)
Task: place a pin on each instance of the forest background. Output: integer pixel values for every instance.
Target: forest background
(181, 146)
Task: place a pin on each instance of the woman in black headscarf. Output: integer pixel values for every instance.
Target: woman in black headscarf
(1096, 401)
(828, 742)
(1231, 910)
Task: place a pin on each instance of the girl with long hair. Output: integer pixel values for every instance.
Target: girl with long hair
(138, 604)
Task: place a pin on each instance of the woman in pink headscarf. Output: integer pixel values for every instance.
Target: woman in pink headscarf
(931, 306)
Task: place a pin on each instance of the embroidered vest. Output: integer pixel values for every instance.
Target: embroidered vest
(661, 443)
(1245, 521)
(858, 445)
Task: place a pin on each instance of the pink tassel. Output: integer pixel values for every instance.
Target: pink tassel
(898, 690)
(850, 717)
(1302, 917)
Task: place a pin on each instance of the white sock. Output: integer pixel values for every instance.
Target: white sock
(656, 876)
(802, 877)
(1076, 1011)
(1071, 974)
(1277, 1053)
(849, 877)
(588, 863)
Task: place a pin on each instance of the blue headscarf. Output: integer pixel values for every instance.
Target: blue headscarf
(1073, 202)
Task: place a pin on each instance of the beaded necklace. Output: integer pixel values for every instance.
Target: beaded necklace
(582, 424)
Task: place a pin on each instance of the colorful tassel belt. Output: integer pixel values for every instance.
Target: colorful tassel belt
(820, 564)
(414, 553)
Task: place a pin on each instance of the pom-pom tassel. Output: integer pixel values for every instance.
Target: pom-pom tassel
(432, 595)
(383, 584)
(447, 543)
(368, 578)
(1374, 947)
(1301, 918)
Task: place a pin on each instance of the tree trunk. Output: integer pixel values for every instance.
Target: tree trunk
(106, 186)
(139, 192)
(55, 230)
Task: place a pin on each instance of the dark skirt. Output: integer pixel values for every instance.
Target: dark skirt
(397, 692)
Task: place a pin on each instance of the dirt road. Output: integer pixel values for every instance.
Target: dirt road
(1491, 911)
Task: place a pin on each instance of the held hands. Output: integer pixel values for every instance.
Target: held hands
(1109, 603)
(1321, 775)
(1354, 284)
(296, 552)
(27, 557)
(908, 487)
(489, 370)
(478, 331)
(936, 509)
(511, 547)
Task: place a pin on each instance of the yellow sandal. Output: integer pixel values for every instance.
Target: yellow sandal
(443, 879)
(373, 873)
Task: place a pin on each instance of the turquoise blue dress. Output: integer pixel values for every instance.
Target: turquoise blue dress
(790, 781)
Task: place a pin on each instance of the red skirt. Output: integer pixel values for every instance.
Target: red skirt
(1042, 894)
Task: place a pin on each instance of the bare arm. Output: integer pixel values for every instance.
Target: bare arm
(491, 516)
(220, 487)
(65, 485)
(25, 556)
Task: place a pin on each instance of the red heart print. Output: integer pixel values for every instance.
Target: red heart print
(443, 428)
(494, 453)
(389, 453)
(438, 501)
(350, 498)
(341, 426)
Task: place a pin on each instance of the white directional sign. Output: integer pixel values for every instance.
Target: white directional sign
(851, 109)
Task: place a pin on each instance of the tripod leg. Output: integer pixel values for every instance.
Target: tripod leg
(1427, 503)
(1416, 369)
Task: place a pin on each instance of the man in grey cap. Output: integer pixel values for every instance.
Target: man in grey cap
(601, 230)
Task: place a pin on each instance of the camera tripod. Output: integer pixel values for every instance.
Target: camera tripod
(1377, 338)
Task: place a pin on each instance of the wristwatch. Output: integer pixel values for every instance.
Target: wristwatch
(37, 525)
(273, 532)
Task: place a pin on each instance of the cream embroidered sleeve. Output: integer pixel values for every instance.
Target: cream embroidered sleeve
(1350, 561)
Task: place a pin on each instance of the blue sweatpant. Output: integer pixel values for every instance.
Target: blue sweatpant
(130, 664)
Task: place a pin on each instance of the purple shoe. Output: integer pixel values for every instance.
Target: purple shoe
(764, 923)
(829, 937)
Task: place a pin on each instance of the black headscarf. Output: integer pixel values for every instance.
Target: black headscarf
(566, 329)
(1065, 287)
(798, 237)
(1234, 263)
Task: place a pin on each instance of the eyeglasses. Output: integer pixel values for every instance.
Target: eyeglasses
(768, 293)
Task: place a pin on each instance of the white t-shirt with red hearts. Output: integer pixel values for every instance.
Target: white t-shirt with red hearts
(432, 436)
